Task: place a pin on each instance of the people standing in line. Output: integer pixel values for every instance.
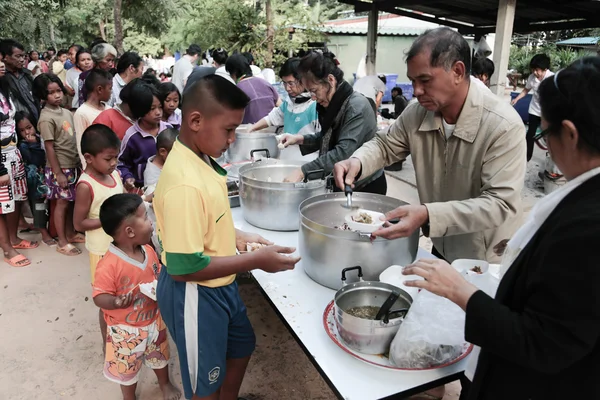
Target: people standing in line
(185, 65)
(129, 67)
(103, 56)
(20, 80)
(170, 99)
(373, 88)
(540, 70)
(220, 57)
(72, 85)
(98, 85)
(120, 118)
(263, 96)
(63, 165)
(346, 118)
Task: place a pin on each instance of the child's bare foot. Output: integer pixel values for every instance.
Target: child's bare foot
(170, 392)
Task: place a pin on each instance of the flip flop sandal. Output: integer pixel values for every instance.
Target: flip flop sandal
(68, 250)
(25, 245)
(79, 238)
(50, 243)
(25, 230)
(18, 261)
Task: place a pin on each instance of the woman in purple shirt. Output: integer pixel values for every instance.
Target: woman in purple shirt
(263, 96)
(139, 142)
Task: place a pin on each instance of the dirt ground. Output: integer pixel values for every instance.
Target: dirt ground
(51, 345)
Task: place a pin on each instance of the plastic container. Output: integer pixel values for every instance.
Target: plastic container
(522, 106)
(391, 80)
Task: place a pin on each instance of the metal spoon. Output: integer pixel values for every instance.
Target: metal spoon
(348, 204)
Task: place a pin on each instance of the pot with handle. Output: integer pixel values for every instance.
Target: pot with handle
(246, 141)
(368, 335)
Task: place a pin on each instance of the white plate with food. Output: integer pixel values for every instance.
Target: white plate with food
(149, 289)
(364, 220)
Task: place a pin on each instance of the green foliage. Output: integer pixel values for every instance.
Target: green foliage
(560, 57)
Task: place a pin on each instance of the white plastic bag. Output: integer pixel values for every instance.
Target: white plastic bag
(432, 333)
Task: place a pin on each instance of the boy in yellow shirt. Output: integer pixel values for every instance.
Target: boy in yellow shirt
(197, 293)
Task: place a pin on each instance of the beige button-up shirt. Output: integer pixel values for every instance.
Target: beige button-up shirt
(471, 182)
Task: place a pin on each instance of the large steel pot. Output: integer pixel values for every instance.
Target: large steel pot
(368, 336)
(246, 141)
(268, 202)
(326, 251)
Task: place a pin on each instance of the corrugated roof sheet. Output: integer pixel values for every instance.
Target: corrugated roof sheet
(342, 30)
(581, 41)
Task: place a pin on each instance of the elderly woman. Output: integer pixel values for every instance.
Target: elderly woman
(540, 336)
(103, 57)
(346, 117)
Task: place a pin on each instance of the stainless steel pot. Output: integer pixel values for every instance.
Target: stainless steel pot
(268, 202)
(367, 335)
(326, 251)
(246, 141)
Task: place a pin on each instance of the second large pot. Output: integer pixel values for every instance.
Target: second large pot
(326, 251)
(268, 202)
(246, 141)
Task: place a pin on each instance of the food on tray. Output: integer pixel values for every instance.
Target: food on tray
(363, 218)
(477, 269)
(250, 247)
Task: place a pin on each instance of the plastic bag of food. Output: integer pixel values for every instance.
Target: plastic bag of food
(432, 333)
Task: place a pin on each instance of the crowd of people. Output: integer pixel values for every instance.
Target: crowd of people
(125, 162)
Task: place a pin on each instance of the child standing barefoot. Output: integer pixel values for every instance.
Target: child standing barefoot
(63, 166)
(136, 331)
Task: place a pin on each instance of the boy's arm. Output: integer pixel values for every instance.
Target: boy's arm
(83, 202)
(107, 301)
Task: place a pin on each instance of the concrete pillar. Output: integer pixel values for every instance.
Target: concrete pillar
(504, 30)
(372, 41)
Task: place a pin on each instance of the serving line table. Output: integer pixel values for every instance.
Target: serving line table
(300, 303)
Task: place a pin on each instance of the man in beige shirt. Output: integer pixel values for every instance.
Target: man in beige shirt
(468, 148)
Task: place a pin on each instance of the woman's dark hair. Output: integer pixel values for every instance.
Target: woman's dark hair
(144, 95)
(574, 94)
(40, 86)
(165, 89)
(116, 209)
(129, 58)
(79, 53)
(150, 79)
(220, 56)
(77, 47)
(540, 61)
(249, 57)
(35, 51)
(237, 65)
(290, 67)
(319, 66)
(126, 95)
(5, 89)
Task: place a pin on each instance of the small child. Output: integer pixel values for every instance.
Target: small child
(99, 89)
(164, 144)
(170, 99)
(136, 332)
(63, 165)
(34, 156)
(139, 143)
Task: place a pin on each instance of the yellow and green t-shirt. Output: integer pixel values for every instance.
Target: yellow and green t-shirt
(193, 217)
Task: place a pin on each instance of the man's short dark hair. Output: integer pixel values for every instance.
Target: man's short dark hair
(97, 77)
(193, 50)
(541, 61)
(97, 138)
(212, 90)
(129, 58)
(447, 47)
(7, 45)
(166, 138)
(116, 209)
(483, 66)
(290, 67)
(397, 89)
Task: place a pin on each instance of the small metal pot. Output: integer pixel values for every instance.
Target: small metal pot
(246, 141)
(365, 335)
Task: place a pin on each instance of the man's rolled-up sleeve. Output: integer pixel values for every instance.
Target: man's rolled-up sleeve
(502, 180)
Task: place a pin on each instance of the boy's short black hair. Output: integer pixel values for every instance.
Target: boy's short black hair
(212, 90)
(116, 209)
(483, 66)
(97, 77)
(541, 61)
(397, 89)
(129, 58)
(165, 89)
(40, 85)
(97, 138)
(166, 138)
(193, 50)
(143, 96)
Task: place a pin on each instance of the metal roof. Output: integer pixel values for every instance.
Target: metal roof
(479, 16)
(341, 30)
(580, 41)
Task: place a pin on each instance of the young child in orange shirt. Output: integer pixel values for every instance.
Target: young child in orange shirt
(136, 332)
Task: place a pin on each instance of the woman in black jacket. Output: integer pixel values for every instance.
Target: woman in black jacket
(540, 336)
